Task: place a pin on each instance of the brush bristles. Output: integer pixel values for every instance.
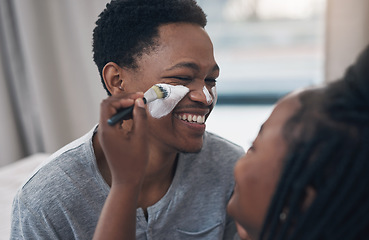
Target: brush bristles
(160, 91)
(155, 92)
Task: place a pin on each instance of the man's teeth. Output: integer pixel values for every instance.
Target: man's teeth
(191, 118)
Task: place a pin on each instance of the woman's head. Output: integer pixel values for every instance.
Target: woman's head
(257, 172)
(320, 189)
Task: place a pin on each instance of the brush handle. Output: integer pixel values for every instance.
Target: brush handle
(121, 114)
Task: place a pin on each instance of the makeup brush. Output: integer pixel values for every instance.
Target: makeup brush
(155, 92)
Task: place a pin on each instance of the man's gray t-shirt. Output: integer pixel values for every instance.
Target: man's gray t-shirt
(64, 198)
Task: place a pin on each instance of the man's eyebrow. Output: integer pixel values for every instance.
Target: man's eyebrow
(192, 66)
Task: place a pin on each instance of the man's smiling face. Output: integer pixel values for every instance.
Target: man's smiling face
(183, 56)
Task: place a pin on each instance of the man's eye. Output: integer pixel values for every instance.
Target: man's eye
(211, 80)
(183, 78)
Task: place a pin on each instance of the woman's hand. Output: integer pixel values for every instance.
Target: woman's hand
(126, 151)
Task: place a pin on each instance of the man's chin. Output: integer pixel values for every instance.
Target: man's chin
(191, 149)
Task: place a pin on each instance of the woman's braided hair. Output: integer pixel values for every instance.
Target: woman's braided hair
(329, 156)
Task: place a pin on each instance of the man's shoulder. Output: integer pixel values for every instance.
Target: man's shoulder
(65, 187)
(62, 171)
(47, 183)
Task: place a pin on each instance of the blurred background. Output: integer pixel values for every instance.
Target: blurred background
(51, 91)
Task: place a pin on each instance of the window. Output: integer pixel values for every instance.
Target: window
(265, 48)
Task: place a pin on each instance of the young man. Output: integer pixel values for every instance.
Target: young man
(188, 179)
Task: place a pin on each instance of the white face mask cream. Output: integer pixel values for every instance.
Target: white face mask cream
(162, 107)
(215, 94)
(209, 98)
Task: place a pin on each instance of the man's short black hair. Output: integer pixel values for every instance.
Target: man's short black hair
(128, 28)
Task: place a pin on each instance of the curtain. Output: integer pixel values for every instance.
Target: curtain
(50, 86)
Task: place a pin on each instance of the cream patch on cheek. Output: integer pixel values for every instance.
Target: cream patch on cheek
(162, 107)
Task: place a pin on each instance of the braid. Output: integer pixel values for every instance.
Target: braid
(292, 169)
(323, 208)
(299, 190)
(353, 218)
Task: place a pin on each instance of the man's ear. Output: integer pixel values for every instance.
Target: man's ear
(113, 78)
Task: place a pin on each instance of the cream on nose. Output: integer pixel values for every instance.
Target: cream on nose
(209, 98)
(215, 94)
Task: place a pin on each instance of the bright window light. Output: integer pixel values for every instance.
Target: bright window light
(265, 48)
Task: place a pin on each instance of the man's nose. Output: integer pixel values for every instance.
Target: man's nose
(201, 94)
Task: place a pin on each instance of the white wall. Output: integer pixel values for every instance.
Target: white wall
(347, 33)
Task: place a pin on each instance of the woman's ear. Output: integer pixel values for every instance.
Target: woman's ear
(113, 78)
